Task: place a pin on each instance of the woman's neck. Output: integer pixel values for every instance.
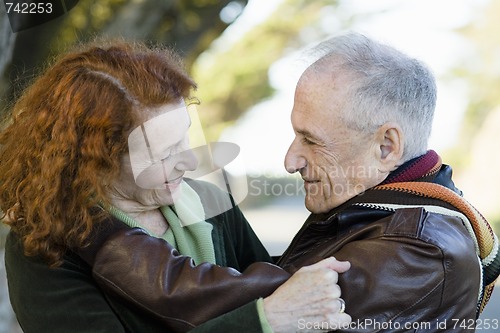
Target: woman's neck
(149, 217)
(153, 221)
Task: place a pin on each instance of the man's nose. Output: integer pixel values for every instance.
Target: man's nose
(294, 159)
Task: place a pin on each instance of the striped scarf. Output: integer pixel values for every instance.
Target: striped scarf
(415, 182)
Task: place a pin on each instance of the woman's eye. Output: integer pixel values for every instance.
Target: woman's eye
(160, 159)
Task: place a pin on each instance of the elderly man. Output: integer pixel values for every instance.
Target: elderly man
(422, 258)
(362, 118)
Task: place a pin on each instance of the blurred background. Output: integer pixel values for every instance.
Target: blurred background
(246, 56)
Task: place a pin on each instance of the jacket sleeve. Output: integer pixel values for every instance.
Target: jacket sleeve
(244, 319)
(150, 274)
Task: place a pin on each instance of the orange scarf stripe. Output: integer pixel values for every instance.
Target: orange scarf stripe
(484, 233)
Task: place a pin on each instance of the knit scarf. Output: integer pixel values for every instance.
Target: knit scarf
(412, 184)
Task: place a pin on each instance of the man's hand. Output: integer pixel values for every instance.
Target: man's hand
(309, 299)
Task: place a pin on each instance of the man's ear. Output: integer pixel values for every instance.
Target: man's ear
(390, 141)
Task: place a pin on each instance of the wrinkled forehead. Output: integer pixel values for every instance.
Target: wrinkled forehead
(166, 126)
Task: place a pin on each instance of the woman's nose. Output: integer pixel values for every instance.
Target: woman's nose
(186, 161)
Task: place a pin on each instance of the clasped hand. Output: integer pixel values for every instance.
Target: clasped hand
(309, 299)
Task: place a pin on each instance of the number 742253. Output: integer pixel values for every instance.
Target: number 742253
(29, 8)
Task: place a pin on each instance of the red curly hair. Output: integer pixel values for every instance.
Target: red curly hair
(67, 134)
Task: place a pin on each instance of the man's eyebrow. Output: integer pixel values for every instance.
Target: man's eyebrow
(308, 135)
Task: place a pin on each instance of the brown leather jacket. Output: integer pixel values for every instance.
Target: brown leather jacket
(411, 270)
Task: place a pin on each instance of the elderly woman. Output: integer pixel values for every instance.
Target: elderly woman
(99, 141)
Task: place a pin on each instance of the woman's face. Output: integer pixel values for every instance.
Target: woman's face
(159, 155)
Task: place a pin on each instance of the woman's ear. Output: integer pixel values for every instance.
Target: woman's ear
(390, 140)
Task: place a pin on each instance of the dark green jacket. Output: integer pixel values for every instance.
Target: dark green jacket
(67, 299)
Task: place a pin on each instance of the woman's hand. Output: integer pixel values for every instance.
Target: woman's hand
(309, 299)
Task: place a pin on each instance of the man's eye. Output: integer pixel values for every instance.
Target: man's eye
(307, 141)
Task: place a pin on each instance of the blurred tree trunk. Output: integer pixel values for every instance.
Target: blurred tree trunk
(7, 39)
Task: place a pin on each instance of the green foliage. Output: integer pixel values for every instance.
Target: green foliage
(233, 78)
(483, 73)
(189, 26)
(474, 156)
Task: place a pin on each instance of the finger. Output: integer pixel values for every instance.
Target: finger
(338, 266)
(341, 320)
(331, 263)
(335, 291)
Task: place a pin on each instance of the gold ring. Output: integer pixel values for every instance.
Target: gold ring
(342, 305)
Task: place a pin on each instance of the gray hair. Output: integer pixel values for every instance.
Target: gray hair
(388, 86)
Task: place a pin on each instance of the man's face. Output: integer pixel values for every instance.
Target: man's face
(336, 162)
